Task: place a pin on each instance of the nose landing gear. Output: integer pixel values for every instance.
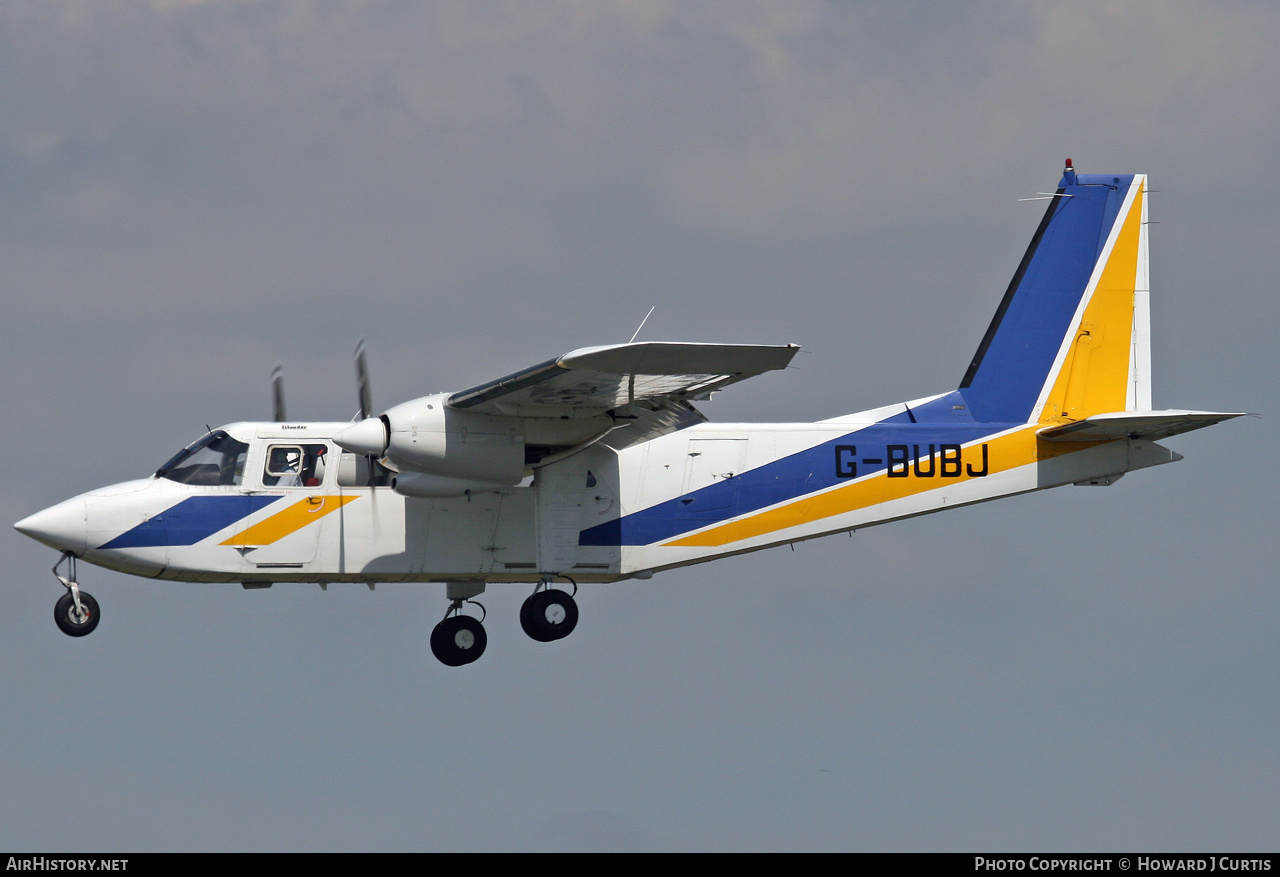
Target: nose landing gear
(549, 614)
(76, 612)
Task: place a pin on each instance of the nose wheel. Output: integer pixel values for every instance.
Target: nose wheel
(458, 639)
(76, 612)
(73, 619)
(548, 614)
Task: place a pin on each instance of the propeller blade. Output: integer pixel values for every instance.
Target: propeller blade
(277, 393)
(362, 382)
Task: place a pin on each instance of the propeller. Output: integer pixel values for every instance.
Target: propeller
(277, 393)
(366, 435)
(362, 382)
(366, 402)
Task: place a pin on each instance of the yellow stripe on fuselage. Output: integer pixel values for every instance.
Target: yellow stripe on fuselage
(1005, 452)
(306, 511)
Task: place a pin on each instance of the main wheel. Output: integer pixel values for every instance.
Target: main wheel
(458, 640)
(549, 615)
(72, 622)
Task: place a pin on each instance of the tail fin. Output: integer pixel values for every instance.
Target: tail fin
(1072, 335)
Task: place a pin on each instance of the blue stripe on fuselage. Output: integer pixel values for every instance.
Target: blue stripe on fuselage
(785, 479)
(190, 521)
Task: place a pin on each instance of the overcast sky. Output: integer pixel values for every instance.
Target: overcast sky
(192, 191)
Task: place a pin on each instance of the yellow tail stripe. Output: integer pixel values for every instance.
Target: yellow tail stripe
(1007, 452)
(1094, 378)
(306, 511)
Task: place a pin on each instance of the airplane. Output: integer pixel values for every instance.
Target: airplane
(596, 466)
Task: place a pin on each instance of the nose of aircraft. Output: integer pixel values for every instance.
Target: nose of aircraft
(61, 526)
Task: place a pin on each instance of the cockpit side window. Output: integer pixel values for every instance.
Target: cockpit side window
(215, 460)
(295, 466)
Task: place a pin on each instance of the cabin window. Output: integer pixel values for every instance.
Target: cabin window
(215, 460)
(295, 466)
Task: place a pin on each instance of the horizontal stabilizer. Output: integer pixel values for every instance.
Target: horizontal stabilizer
(1153, 425)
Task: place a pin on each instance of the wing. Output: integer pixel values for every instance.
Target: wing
(1153, 425)
(595, 380)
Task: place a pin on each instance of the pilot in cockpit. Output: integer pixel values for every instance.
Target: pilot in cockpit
(285, 465)
(313, 466)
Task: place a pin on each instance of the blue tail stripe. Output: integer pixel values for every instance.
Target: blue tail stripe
(1015, 358)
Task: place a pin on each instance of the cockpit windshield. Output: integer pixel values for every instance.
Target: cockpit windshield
(216, 459)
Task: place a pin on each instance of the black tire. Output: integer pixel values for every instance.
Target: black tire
(458, 640)
(64, 613)
(549, 615)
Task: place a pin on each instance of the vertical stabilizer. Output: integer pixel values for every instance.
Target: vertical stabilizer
(1072, 335)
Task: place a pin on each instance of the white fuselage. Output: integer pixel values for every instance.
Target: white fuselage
(599, 515)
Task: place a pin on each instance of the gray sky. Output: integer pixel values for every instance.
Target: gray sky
(191, 191)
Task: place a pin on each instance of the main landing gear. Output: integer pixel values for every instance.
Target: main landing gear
(76, 612)
(459, 639)
(547, 615)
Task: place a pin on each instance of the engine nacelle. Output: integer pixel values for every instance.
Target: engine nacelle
(425, 435)
(425, 485)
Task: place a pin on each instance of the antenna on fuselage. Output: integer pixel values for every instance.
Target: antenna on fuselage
(277, 393)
